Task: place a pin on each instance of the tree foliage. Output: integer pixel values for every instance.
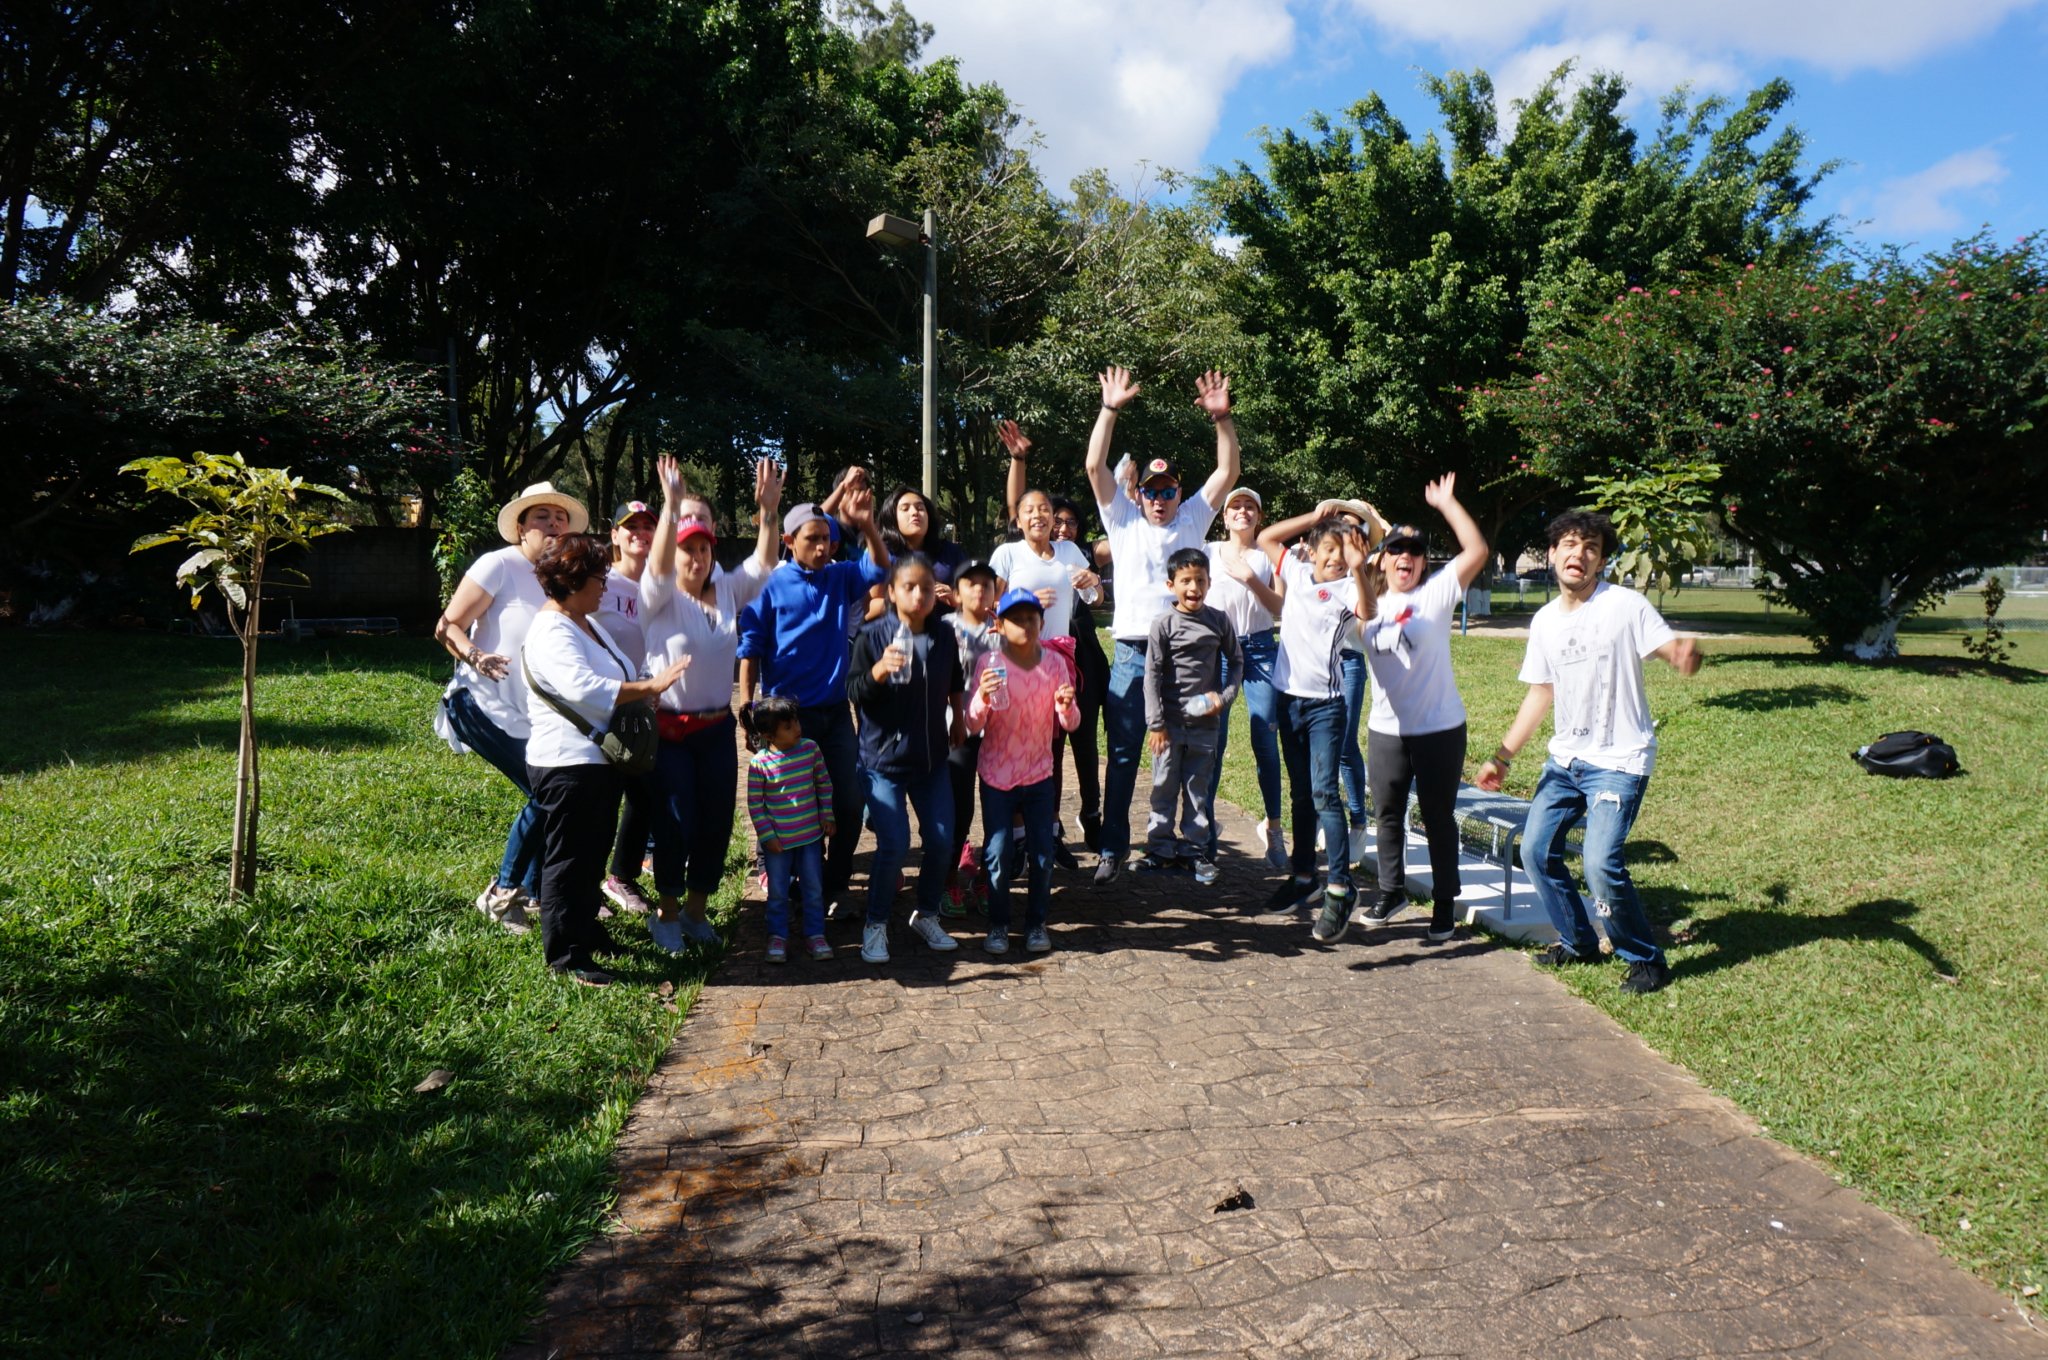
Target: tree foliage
(1877, 425)
(1661, 517)
(244, 514)
(1388, 278)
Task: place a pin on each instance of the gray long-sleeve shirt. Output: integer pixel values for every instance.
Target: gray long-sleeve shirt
(1185, 655)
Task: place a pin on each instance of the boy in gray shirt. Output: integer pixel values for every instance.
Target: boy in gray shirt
(1190, 653)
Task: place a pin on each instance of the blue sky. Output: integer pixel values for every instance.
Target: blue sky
(1939, 112)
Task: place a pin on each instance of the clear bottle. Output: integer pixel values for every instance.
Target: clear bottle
(999, 697)
(1197, 707)
(902, 644)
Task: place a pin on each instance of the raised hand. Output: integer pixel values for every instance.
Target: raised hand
(1118, 387)
(671, 474)
(857, 507)
(1212, 395)
(1441, 492)
(1013, 438)
(1354, 550)
(768, 475)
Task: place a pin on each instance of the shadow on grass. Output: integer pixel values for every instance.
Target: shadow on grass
(1778, 698)
(1734, 938)
(1946, 668)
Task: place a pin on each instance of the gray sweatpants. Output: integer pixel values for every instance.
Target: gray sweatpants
(1181, 774)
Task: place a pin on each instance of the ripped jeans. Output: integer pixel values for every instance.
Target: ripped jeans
(1608, 800)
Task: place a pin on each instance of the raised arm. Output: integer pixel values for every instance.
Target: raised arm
(1212, 398)
(1019, 479)
(1117, 391)
(1275, 537)
(661, 557)
(857, 510)
(1472, 552)
(1357, 556)
(768, 476)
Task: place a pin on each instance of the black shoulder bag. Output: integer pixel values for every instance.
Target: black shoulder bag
(629, 741)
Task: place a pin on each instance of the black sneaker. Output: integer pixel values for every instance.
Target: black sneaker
(1291, 895)
(1335, 917)
(1149, 863)
(1557, 956)
(1107, 868)
(1443, 922)
(1645, 976)
(586, 974)
(1091, 834)
(1386, 908)
(1062, 856)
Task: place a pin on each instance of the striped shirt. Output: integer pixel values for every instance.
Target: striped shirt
(789, 794)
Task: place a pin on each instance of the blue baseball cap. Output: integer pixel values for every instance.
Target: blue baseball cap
(1018, 595)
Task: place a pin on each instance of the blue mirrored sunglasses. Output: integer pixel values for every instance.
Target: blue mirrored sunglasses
(1159, 493)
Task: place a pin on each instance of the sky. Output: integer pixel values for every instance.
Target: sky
(1938, 112)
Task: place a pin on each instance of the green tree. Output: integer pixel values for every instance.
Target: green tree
(244, 515)
(1388, 278)
(1876, 424)
(1661, 517)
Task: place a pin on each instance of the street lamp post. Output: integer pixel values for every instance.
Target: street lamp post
(891, 230)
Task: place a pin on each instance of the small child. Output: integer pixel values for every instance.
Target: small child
(1191, 650)
(1324, 593)
(1023, 693)
(789, 800)
(974, 628)
(906, 686)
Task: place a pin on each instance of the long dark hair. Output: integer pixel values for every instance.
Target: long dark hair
(892, 537)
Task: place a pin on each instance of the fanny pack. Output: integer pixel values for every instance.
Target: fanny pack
(679, 726)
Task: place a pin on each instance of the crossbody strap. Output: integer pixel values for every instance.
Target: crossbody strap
(587, 730)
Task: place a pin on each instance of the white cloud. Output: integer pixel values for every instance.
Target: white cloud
(1924, 203)
(1112, 83)
(1835, 35)
(1653, 69)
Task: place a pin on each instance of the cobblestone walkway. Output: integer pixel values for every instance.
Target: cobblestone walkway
(1191, 1131)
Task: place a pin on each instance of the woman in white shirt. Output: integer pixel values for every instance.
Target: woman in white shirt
(484, 707)
(632, 541)
(689, 609)
(1415, 734)
(1242, 585)
(568, 655)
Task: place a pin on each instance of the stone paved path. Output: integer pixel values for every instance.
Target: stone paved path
(1432, 1151)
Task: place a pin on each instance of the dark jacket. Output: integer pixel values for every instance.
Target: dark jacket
(904, 728)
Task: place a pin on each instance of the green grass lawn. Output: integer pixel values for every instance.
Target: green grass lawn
(1733, 609)
(1861, 963)
(206, 1112)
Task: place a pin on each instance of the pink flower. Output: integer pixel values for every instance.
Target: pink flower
(1932, 421)
(1965, 297)
(1756, 415)
(1635, 290)
(1672, 293)
(1786, 350)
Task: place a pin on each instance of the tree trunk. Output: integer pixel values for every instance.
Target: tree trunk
(248, 779)
(1879, 640)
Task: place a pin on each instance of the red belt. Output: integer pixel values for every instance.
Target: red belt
(680, 726)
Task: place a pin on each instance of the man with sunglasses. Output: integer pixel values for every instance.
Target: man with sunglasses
(1142, 536)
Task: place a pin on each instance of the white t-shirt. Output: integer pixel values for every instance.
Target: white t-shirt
(1413, 689)
(581, 672)
(1233, 597)
(1592, 658)
(1139, 548)
(1023, 569)
(680, 626)
(516, 599)
(620, 613)
(1313, 627)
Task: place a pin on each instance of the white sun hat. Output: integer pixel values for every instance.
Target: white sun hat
(540, 493)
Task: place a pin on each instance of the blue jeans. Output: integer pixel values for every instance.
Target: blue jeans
(1608, 800)
(1038, 804)
(693, 817)
(520, 866)
(1354, 713)
(831, 726)
(1311, 742)
(1123, 722)
(806, 865)
(1262, 712)
(889, 805)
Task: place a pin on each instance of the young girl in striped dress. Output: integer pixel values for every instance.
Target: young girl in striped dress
(789, 800)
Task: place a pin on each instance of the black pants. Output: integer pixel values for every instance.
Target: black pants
(1432, 762)
(636, 826)
(1087, 755)
(579, 806)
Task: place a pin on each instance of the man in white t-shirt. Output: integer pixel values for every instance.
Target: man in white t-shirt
(1142, 535)
(1585, 659)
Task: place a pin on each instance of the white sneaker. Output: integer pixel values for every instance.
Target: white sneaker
(505, 906)
(932, 933)
(1205, 871)
(998, 941)
(1272, 844)
(1037, 942)
(1361, 841)
(874, 942)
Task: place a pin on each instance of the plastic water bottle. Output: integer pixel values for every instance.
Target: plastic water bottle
(1197, 707)
(902, 645)
(999, 697)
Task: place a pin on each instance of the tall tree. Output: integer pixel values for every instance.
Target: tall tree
(1878, 427)
(1388, 277)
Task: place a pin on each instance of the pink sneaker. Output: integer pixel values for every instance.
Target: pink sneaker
(820, 947)
(778, 949)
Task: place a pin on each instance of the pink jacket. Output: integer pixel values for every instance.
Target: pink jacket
(1016, 742)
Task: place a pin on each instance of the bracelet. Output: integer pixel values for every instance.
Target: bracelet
(1107, 407)
(1219, 419)
(1499, 759)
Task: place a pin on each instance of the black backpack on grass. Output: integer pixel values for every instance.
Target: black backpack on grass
(1908, 755)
